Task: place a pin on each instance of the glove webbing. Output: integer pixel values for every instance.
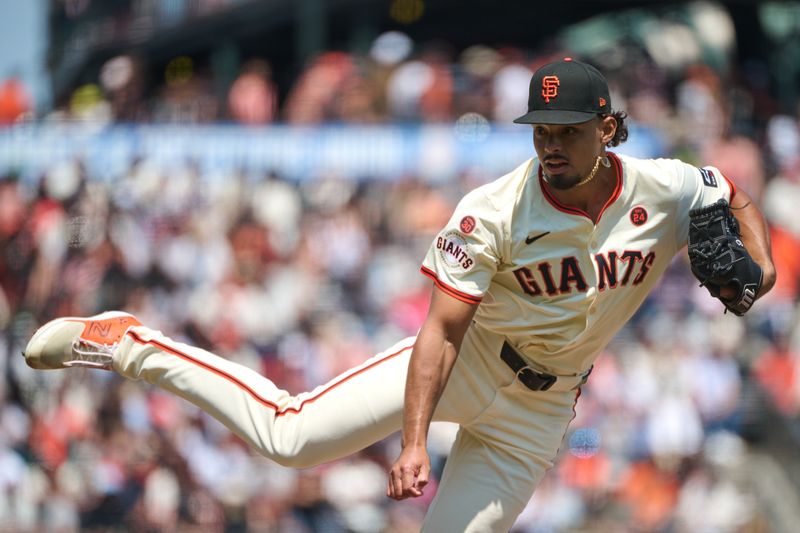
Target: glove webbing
(704, 256)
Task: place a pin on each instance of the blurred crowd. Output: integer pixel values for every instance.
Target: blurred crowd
(301, 281)
(399, 80)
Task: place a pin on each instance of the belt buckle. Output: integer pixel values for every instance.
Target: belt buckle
(534, 380)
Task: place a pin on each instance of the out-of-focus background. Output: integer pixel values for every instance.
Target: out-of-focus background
(262, 179)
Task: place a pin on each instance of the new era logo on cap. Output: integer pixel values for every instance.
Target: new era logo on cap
(566, 92)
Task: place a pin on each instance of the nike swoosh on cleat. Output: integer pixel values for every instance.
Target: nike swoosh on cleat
(531, 240)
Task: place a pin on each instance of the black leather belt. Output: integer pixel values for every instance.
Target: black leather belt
(536, 381)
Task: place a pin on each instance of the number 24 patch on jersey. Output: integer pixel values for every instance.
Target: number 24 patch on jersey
(708, 177)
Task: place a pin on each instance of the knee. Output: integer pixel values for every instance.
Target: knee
(296, 459)
(293, 454)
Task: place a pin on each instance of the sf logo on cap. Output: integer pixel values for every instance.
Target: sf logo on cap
(549, 87)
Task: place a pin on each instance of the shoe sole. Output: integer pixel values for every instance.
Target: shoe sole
(34, 351)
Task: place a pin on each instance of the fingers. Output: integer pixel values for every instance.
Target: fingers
(407, 481)
(422, 479)
(407, 475)
(395, 489)
(401, 483)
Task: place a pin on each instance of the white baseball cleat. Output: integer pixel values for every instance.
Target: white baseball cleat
(73, 341)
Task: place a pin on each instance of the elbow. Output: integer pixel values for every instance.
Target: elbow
(769, 276)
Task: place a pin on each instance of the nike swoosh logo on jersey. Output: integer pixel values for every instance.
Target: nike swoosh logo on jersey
(531, 240)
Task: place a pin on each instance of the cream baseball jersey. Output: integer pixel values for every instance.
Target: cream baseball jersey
(556, 285)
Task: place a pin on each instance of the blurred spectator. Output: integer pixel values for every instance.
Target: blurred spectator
(14, 101)
(699, 102)
(509, 87)
(740, 159)
(422, 89)
(253, 97)
(122, 80)
(776, 369)
(187, 95)
(314, 96)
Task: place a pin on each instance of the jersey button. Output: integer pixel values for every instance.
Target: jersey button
(592, 310)
(593, 244)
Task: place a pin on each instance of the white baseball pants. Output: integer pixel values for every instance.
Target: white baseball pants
(509, 435)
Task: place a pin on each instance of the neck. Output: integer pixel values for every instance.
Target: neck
(592, 192)
(596, 166)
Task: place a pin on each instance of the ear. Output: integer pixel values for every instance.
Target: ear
(607, 128)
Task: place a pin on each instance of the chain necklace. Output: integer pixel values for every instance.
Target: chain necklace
(600, 159)
(590, 177)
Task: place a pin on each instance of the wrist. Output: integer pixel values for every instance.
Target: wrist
(417, 441)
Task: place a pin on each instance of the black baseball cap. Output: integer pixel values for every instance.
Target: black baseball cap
(566, 92)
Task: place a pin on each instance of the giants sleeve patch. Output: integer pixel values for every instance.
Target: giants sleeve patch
(708, 177)
(453, 250)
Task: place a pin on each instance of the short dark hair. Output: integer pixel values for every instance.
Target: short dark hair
(621, 134)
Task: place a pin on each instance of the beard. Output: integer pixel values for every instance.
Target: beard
(562, 182)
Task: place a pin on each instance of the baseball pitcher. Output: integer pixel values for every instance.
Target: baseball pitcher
(534, 274)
